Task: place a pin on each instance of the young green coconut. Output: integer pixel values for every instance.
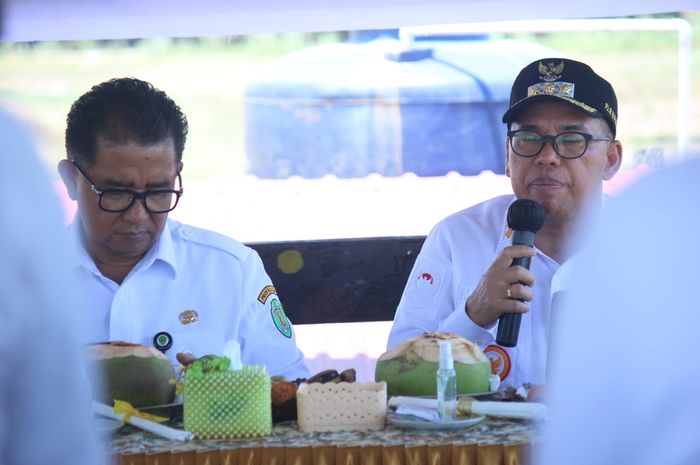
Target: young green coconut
(140, 375)
(409, 368)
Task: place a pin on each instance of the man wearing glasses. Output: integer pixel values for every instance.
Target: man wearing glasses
(560, 148)
(149, 279)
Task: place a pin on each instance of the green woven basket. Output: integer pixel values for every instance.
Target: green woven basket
(229, 404)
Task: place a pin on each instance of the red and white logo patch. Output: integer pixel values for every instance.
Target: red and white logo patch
(500, 360)
(425, 283)
(425, 279)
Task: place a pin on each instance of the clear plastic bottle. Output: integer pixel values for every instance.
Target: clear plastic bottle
(446, 383)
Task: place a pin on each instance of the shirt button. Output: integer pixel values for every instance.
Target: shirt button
(187, 232)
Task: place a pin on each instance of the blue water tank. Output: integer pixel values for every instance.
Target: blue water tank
(351, 109)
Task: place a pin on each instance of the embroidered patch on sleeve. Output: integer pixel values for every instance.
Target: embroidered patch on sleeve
(280, 319)
(265, 293)
(425, 283)
(500, 360)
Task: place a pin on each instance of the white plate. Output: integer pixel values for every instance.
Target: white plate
(478, 394)
(460, 395)
(106, 425)
(411, 422)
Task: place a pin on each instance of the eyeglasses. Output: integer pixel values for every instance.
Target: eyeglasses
(119, 200)
(570, 144)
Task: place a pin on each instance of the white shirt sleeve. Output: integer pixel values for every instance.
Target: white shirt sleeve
(430, 301)
(267, 336)
(459, 322)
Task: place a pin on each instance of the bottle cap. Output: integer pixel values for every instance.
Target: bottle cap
(446, 360)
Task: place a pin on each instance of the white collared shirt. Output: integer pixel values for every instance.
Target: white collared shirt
(191, 271)
(455, 255)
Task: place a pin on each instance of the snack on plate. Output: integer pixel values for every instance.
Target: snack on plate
(528, 392)
(284, 400)
(332, 376)
(341, 406)
(283, 391)
(139, 375)
(218, 403)
(409, 368)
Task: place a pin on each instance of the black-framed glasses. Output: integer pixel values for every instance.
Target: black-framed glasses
(569, 144)
(119, 200)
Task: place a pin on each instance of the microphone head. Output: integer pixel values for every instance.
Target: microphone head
(525, 215)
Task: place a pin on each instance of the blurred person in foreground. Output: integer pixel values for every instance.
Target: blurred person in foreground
(560, 148)
(149, 279)
(625, 379)
(44, 397)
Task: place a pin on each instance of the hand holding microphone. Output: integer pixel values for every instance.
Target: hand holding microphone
(489, 301)
(525, 218)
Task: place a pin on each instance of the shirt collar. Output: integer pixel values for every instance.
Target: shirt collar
(162, 251)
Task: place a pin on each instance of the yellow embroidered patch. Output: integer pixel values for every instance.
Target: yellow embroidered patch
(265, 293)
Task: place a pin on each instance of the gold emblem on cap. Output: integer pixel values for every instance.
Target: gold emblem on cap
(550, 72)
(588, 108)
(610, 111)
(556, 89)
(188, 316)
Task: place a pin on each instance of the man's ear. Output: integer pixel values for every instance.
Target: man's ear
(69, 176)
(613, 160)
(180, 165)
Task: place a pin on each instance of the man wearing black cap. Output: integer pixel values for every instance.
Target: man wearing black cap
(560, 148)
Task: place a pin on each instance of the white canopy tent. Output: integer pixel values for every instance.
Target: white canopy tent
(37, 20)
(48, 20)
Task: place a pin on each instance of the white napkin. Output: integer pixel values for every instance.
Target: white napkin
(232, 350)
(494, 382)
(147, 425)
(429, 414)
(520, 410)
(423, 402)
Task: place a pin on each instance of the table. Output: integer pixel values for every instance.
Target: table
(491, 442)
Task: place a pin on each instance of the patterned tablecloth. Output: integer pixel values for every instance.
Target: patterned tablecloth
(493, 441)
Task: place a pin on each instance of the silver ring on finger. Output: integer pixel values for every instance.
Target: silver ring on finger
(509, 293)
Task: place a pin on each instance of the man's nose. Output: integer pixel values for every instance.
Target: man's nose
(548, 156)
(137, 211)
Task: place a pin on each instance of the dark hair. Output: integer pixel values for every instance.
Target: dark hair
(123, 110)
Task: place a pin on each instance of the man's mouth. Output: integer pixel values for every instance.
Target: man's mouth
(546, 184)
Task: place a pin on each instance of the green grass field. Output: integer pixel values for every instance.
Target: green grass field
(206, 77)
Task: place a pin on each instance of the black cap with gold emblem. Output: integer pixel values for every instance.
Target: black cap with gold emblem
(568, 80)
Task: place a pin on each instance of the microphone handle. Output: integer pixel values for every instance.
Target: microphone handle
(522, 261)
(509, 323)
(508, 329)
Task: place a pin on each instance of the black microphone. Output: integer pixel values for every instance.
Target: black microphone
(525, 218)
